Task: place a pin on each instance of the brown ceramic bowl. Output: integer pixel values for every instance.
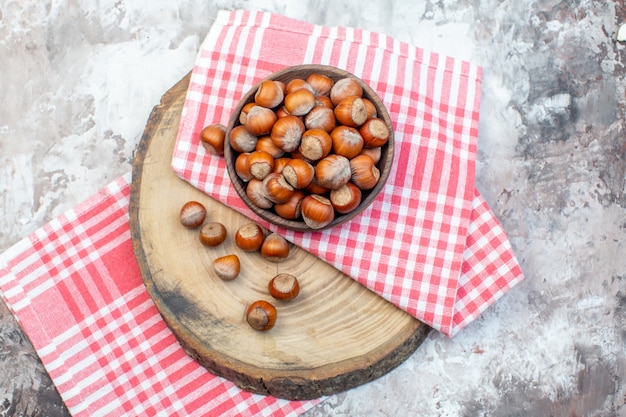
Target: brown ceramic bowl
(286, 75)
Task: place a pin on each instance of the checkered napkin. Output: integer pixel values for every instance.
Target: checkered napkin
(75, 288)
(428, 243)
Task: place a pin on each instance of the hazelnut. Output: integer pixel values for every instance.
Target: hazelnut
(257, 193)
(265, 144)
(299, 173)
(317, 211)
(212, 234)
(374, 133)
(333, 171)
(212, 137)
(286, 133)
(241, 167)
(282, 112)
(346, 198)
(351, 111)
(192, 214)
(365, 174)
(260, 120)
(280, 163)
(347, 141)
(299, 102)
(345, 87)
(324, 101)
(320, 118)
(269, 94)
(297, 84)
(371, 108)
(227, 267)
(278, 189)
(244, 112)
(284, 287)
(374, 153)
(315, 144)
(320, 84)
(261, 315)
(275, 248)
(260, 163)
(249, 237)
(290, 209)
(241, 140)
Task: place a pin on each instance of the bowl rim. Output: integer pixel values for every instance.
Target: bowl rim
(385, 164)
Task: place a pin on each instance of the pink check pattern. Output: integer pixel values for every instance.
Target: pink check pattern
(75, 288)
(429, 243)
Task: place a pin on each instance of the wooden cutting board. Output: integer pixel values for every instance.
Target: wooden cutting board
(335, 335)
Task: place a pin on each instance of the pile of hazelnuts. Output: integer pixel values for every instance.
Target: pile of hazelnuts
(261, 314)
(306, 149)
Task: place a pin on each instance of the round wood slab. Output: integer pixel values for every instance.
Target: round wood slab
(334, 336)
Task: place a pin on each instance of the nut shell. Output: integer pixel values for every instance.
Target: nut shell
(374, 132)
(269, 94)
(345, 87)
(275, 248)
(365, 174)
(317, 211)
(350, 111)
(315, 144)
(290, 210)
(299, 173)
(299, 102)
(249, 237)
(261, 315)
(260, 120)
(333, 171)
(192, 214)
(212, 234)
(227, 267)
(287, 132)
(284, 287)
(346, 198)
(260, 164)
(212, 137)
(347, 141)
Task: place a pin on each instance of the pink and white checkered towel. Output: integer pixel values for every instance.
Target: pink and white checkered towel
(428, 243)
(75, 288)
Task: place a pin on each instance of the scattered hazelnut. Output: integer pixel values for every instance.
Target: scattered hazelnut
(212, 138)
(284, 287)
(275, 248)
(227, 267)
(212, 234)
(249, 237)
(192, 214)
(261, 315)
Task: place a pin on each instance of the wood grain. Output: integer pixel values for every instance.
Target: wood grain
(334, 336)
